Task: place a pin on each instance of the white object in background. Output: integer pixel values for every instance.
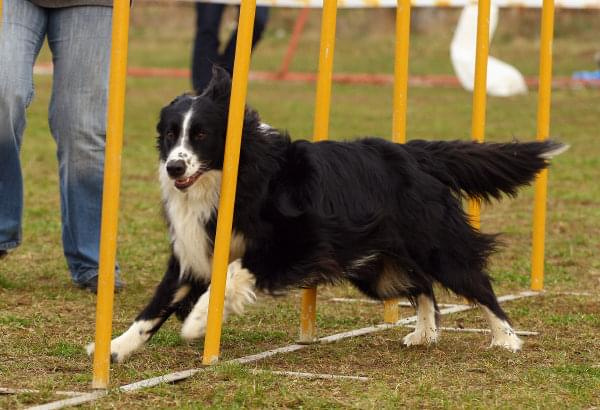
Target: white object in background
(503, 80)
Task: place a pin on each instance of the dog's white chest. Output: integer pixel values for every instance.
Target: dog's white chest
(188, 212)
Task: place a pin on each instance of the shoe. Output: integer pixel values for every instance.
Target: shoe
(92, 285)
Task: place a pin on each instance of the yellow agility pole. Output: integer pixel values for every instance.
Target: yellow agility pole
(323, 95)
(390, 307)
(543, 131)
(212, 340)
(110, 196)
(401, 71)
(308, 315)
(479, 90)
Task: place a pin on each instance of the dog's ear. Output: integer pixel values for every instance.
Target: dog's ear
(219, 87)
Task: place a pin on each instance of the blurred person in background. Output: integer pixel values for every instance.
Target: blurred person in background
(206, 44)
(79, 37)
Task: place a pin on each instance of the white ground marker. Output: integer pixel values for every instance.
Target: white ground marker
(376, 302)
(8, 390)
(473, 330)
(311, 375)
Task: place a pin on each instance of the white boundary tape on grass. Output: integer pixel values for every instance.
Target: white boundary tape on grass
(575, 294)
(8, 390)
(74, 401)
(311, 375)
(473, 330)
(377, 302)
(177, 376)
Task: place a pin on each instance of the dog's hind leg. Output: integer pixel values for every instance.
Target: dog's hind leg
(239, 291)
(395, 279)
(503, 334)
(476, 286)
(387, 278)
(169, 293)
(426, 331)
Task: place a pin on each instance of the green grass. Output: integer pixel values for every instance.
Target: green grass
(45, 322)
(66, 350)
(17, 322)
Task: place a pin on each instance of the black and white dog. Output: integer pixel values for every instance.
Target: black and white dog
(386, 217)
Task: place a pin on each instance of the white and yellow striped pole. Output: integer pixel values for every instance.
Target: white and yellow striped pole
(543, 131)
(308, 314)
(480, 91)
(110, 196)
(235, 122)
(390, 307)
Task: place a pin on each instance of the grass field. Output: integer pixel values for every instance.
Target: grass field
(45, 321)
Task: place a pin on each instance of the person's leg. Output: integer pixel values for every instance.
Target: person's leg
(260, 22)
(80, 40)
(22, 32)
(206, 43)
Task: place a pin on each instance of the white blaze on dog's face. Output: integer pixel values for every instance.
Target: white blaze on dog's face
(182, 163)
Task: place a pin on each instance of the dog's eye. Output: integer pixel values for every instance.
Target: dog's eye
(198, 136)
(170, 136)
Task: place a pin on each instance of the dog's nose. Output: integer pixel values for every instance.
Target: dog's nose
(176, 168)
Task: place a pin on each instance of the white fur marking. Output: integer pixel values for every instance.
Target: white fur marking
(239, 291)
(557, 151)
(265, 127)
(182, 150)
(188, 213)
(361, 262)
(194, 325)
(130, 341)
(503, 334)
(426, 331)
(185, 126)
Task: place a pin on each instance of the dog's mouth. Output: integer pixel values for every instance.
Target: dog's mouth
(184, 183)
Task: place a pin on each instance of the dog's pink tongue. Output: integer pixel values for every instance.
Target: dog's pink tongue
(182, 182)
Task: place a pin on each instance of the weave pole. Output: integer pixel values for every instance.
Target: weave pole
(543, 131)
(479, 91)
(235, 122)
(308, 315)
(110, 196)
(390, 307)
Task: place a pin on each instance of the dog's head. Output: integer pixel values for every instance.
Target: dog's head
(191, 132)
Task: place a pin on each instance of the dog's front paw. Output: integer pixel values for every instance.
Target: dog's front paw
(421, 337)
(90, 349)
(123, 346)
(115, 357)
(509, 341)
(194, 327)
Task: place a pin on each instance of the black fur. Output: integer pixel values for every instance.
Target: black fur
(386, 217)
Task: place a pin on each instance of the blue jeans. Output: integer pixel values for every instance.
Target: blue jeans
(79, 38)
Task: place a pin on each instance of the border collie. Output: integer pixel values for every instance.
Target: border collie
(386, 217)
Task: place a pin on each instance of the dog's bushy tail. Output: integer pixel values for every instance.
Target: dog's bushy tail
(487, 170)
